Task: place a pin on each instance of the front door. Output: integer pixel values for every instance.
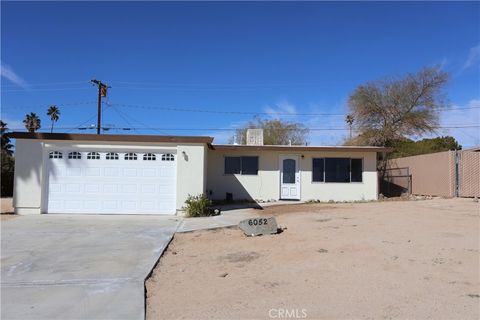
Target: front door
(289, 178)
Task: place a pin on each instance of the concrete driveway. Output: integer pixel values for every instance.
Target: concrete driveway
(79, 267)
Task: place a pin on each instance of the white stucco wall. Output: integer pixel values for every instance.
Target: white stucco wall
(190, 172)
(28, 178)
(31, 157)
(266, 185)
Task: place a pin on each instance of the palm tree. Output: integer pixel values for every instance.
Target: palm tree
(54, 114)
(6, 145)
(32, 122)
(349, 119)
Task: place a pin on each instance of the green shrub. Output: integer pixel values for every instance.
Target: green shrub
(198, 206)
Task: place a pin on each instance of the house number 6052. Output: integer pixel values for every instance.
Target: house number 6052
(257, 222)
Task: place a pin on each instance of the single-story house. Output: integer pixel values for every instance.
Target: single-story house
(140, 174)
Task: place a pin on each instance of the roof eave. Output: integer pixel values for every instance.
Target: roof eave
(110, 138)
(302, 148)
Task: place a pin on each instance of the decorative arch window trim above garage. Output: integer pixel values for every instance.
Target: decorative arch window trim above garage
(55, 155)
(149, 157)
(74, 155)
(168, 157)
(130, 156)
(111, 156)
(93, 156)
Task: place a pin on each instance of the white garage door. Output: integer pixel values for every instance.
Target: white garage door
(111, 182)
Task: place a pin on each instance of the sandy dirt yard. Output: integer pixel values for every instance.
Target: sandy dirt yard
(385, 260)
(7, 209)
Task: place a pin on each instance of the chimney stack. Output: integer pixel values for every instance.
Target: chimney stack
(254, 137)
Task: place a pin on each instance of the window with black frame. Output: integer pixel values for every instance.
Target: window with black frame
(343, 170)
(318, 170)
(356, 168)
(246, 165)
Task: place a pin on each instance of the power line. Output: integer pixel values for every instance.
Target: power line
(233, 129)
(46, 105)
(47, 84)
(45, 89)
(104, 108)
(177, 109)
(221, 111)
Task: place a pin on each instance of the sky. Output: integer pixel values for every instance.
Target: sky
(166, 62)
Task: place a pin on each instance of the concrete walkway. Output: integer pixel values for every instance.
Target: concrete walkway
(79, 267)
(228, 218)
(87, 266)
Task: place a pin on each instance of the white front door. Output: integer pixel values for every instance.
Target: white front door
(289, 178)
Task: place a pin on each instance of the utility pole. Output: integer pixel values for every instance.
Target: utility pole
(102, 92)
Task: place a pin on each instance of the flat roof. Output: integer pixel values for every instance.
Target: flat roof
(186, 139)
(227, 147)
(110, 137)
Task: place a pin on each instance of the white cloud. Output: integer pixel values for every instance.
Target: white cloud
(223, 136)
(8, 73)
(443, 63)
(473, 58)
(282, 107)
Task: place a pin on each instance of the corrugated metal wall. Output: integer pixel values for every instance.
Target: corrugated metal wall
(469, 174)
(432, 174)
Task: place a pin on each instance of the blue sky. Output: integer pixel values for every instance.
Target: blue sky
(251, 57)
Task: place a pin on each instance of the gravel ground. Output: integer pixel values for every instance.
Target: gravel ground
(385, 260)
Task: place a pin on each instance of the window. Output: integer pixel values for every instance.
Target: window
(289, 169)
(249, 165)
(232, 165)
(149, 157)
(130, 156)
(56, 155)
(111, 156)
(357, 170)
(74, 155)
(93, 156)
(318, 169)
(337, 170)
(168, 157)
(241, 165)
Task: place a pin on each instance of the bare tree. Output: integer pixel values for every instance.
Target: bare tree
(392, 109)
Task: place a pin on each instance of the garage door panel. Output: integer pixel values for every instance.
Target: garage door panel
(72, 205)
(148, 188)
(92, 188)
(129, 188)
(55, 187)
(93, 172)
(111, 186)
(74, 172)
(111, 172)
(73, 187)
(92, 205)
(149, 172)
